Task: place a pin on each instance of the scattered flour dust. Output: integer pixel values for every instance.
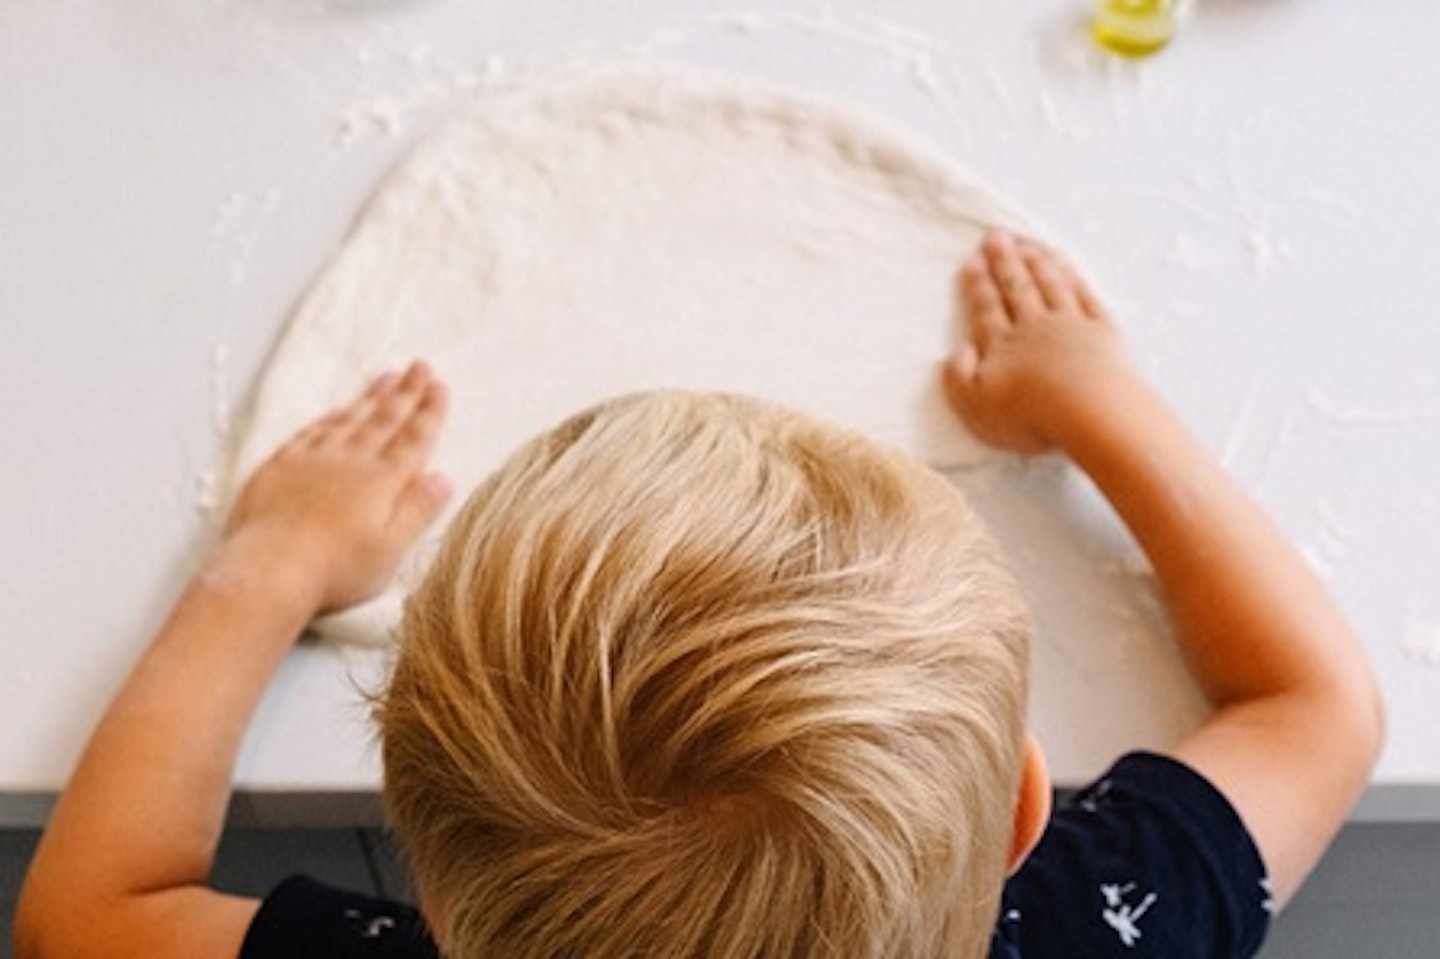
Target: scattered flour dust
(588, 232)
(1422, 640)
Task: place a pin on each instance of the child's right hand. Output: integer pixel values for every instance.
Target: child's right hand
(1041, 352)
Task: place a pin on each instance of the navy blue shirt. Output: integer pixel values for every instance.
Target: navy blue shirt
(1150, 861)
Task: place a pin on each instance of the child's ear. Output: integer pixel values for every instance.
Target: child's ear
(1032, 808)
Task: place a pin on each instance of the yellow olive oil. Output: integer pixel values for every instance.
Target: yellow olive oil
(1134, 28)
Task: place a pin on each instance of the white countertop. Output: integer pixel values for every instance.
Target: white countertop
(1261, 202)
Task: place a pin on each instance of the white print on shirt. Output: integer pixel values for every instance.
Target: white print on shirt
(370, 928)
(1267, 896)
(1090, 802)
(1120, 915)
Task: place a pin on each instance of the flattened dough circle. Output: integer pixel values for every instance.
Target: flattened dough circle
(587, 234)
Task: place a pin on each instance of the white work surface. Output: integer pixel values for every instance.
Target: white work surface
(1260, 204)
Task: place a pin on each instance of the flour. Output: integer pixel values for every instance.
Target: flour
(1421, 640)
(590, 233)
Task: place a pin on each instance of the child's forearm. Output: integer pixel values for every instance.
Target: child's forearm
(145, 807)
(1252, 618)
(1298, 722)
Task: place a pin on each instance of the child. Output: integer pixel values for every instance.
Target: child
(697, 677)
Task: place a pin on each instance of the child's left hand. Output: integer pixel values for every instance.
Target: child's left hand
(335, 509)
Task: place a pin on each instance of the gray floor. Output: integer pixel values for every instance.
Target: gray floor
(1376, 895)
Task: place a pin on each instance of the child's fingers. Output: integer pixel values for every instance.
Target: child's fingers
(339, 426)
(414, 439)
(340, 422)
(985, 310)
(1078, 288)
(394, 404)
(1056, 284)
(958, 378)
(390, 410)
(421, 504)
(1012, 275)
(317, 431)
(1089, 303)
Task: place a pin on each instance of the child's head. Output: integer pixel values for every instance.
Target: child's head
(697, 677)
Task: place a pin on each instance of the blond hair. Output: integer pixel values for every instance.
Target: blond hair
(693, 676)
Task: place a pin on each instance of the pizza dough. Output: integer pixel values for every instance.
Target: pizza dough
(586, 234)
